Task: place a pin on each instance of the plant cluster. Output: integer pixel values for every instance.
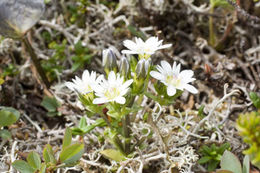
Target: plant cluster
(69, 155)
(248, 125)
(117, 95)
(212, 155)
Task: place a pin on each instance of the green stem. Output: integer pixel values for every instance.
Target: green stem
(36, 62)
(118, 144)
(126, 132)
(106, 120)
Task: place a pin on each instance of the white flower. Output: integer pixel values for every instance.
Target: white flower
(86, 84)
(173, 78)
(112, 90)
(144, 49)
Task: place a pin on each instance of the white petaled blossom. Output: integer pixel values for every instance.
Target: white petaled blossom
(144, 48)
(173, 78)
(112, 90)
(85, 85)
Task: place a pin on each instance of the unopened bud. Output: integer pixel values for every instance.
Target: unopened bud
(142, 68)
(124, 67)
(109, 61)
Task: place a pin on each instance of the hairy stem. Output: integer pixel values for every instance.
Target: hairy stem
(126, 132)
(36, 62)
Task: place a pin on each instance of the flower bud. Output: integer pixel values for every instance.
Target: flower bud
(142, 68)
(124, 67)
(17, 17)
(109, 61)
(140, 80)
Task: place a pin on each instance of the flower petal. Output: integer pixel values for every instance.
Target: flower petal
(130, 44)
(157, 75)
(120, 100)
(191, 89)
(171, 90)
(127, 83)
(165, 46)
(85, 75)
(166, 66)
(99, 101)
(129, 52)
(70, 85)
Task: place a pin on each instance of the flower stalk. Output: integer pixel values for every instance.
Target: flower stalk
(36, 62)
(126, 133)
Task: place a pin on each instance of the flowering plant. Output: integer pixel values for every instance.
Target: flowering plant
(117, 95)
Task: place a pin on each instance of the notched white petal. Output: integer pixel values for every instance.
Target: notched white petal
(171, 90)
(191, 89)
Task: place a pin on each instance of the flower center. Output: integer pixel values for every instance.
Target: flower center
(144, 56)
(112, 93)
(88, 89)
(173, 80)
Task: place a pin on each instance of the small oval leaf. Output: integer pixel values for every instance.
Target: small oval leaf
(22, 166)
(72, 153)
(8, 116)
(43, 168)
(67, 138)
(48, 154)
(113, 154)
(230, 162)
(34, 160)
(5, 134)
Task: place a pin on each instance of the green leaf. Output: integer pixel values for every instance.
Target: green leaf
(113, 154)
(204, 159)
(255, 99)
(22, 166)
(34, 160)
(72, 153)
(82, 122)
(230, 162)
(43, 168)
(5, 134)
(8, 116)
(50, 103)
(67, 138)
(212, 165)
(224, 171)
(113, 112)
(48, 154)
(76, 66)
(200, 111)
(99, 122)
(206, 149)
(77, 131)
(246, 164)
(134, 31)
(223, 147)
(14, 111)
(79, 49)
